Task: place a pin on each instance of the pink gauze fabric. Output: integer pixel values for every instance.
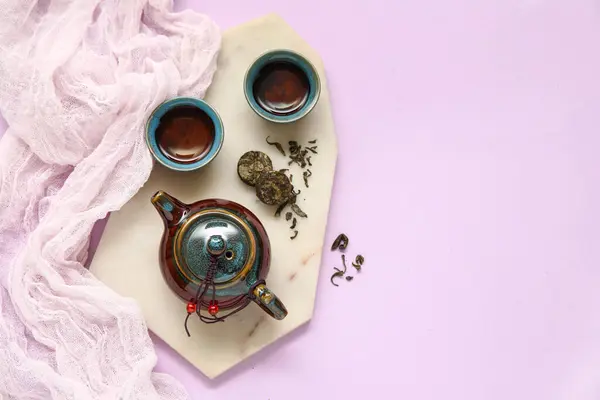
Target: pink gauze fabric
(78, 79)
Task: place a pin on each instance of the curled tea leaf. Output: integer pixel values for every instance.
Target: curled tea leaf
(341, 242)
(337, 274)
(358, 262)
(294, 235)
(276, 144)
(313, 149)
(293, 223)
(344, 262)
(294, 146)
(308, 161)
(349, 278)
(298, 211)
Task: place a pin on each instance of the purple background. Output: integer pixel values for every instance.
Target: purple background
(468, 177)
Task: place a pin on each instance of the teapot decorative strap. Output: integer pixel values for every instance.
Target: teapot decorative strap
(195, 305)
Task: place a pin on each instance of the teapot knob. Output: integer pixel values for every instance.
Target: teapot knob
(216, 245)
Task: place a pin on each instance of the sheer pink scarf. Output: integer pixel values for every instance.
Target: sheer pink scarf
(78, 79)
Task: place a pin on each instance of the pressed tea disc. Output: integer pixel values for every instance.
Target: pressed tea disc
(251, 165)
(274, 188)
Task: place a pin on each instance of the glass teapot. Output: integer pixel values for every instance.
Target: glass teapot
(215, 255)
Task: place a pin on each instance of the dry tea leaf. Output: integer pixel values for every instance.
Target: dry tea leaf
(298, 211)
(288, 216)
(340, 242)
(293, 223)
(306, 174)
(274, 188)
(294, 146)
(349, 278)
(276, 144)
(344, 262)
(252, 165)
(336, 274)
(280, 208)
(358, 262)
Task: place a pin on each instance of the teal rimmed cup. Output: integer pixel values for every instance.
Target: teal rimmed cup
(184, 133)
(282, 86)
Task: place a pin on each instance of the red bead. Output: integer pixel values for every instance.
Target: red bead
(191, 308)
(213, 307)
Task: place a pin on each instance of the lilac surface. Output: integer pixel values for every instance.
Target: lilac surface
(468, 178)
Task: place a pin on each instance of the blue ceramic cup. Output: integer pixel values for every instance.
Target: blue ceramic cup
(282, 86)
(184, 134)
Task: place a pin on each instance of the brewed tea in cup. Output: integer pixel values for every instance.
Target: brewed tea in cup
(282, 86)
(184, 134)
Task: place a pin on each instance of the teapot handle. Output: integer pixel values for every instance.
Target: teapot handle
(269, 302)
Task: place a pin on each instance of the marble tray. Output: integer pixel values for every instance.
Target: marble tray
(127, 256)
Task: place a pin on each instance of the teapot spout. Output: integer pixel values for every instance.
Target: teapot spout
(169, 208)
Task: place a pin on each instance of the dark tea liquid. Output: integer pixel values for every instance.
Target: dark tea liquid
(185, 134)
(281, 88)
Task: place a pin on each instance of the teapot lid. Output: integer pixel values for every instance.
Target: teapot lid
(216, 231)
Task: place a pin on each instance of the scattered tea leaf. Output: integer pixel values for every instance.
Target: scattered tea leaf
(298, 158)
(308, 161)
(294, 146)
(358, 262)
(313, 149)
(284, 170)
(336, 274)
(293, 223)
(340, 242)
(280, 208)
(276, 144)
(349, 278)
(294, 236)
(288, 216)
(305, 175)
(344, 262)
(312, 141)
(298, 211)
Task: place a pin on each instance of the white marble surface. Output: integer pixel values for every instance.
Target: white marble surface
(127, 256)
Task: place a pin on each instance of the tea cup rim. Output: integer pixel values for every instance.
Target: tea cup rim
(306, 109)
(215, 146)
